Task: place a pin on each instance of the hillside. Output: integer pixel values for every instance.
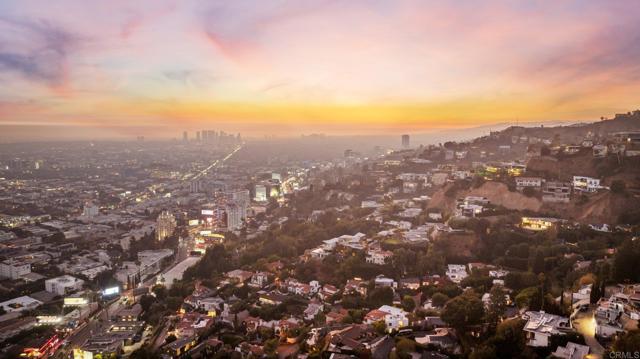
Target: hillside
(577, 132)
(603, 207)
(498, 193)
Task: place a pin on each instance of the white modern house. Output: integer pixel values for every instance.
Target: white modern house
(378, 257)
(528, 182)
(586, 184)
(541, 326)
(394, 318)
(456, 272)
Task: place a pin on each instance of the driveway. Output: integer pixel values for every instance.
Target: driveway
(585, 324)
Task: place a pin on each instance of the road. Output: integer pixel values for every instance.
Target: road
(585, 324)
(158, 340)
(95, 324)
(132, 199)
(99, 322)
(215, 164)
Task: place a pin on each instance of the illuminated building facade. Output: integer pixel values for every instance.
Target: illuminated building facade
(261, 193)
(165, 225)
(538, 223)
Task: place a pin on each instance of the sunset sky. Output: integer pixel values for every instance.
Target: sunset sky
(156, 68)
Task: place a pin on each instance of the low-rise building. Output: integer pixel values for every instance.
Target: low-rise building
(378, 257)
(528, 182)
(556, 192)
(14, 269)
(541, 326)
(439, 178)
(538, 223)
(259, 279)
(456, 272)
(313, 308)
(382, 281)
(586, 184)
(571, 351)
(20, 304)
(63, 285)
(239, 275)
(394, 318)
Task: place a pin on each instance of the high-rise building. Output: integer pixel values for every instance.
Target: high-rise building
(405, 141)
(185, 136)
(198, 136)
(165, 225)
(195, 186)
(241, 199)
(205, 134)
(90, 210)
(235, 216)
(261, 193)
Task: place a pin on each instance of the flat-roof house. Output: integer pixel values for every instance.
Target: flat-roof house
(541, 326)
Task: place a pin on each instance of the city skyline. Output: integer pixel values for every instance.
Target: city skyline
(264, 68)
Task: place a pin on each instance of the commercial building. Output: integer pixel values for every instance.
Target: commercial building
(20, 303)
(151, 260)
(176, 272)
(14, 269)
(90, 210)
(165, 225)
(63, 285)
(261, 193)
(235, 215)
(405, 141)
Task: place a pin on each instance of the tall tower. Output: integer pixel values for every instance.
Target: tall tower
(405, 141)
(198, 136)
(185, 136)
(234, 216)
(165, 225)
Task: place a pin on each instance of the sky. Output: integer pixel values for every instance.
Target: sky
(156, 68)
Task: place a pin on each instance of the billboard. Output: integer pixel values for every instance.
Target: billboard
(82, 354)
(48, 319)
(207, 212)
(111, 291)
(75, 301)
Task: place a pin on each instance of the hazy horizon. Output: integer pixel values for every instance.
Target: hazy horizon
(61, 133)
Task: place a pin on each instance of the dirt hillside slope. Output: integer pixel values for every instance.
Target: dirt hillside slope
(496, 192)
